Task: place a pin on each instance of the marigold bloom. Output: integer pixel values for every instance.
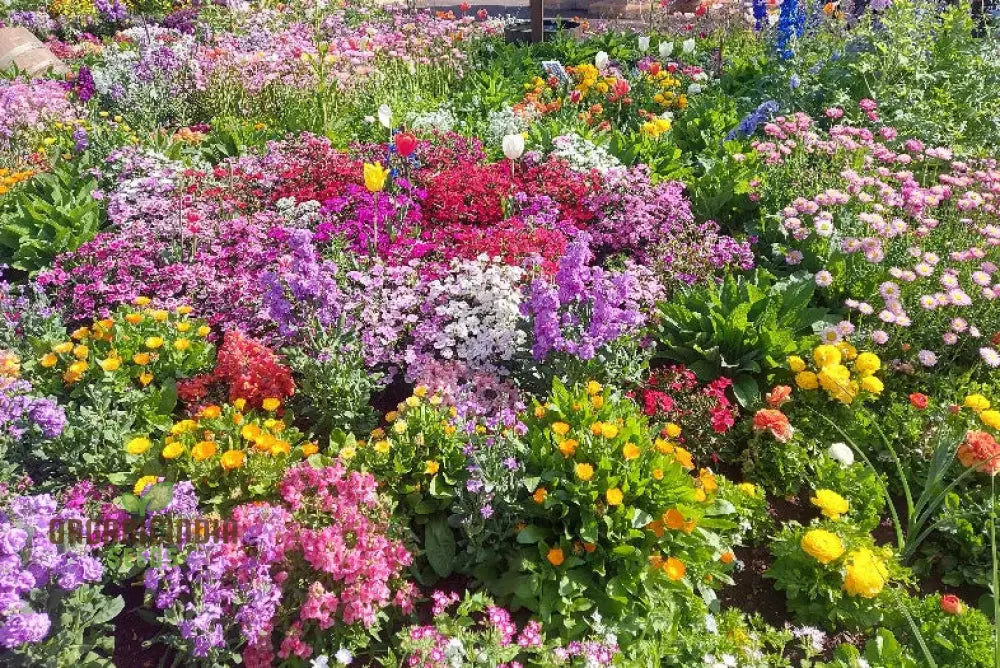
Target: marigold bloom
(309, 449)
(431, 467)
(990, 418)
(49, 360)
(614, 496)
(584, 471)
(560, 428)
(609, 430)
(673, 519)
(182, 344)
(81, 352)
(141, 358)
(138, 445)
(825, 355)
(593, 387)
(141, 301)
(822, 545)
(110, 364)
(748, 488)
(555, 556)
(672, 430)
(867, 363)
(630, 451)
(796, 364)
(872, 384)
(232, 459)
(597, 402)
(568, 447)
(683, 457)
(133, 318)
(674, 568)
(540, 412)
(172, 450)
(211, 412)
(202, 450)
(271, 404)
(807, 380)
(62, 348)
(153, 342)
(382, 447)
(145, 378)
(142, 483)
(831, 504)
(866, 574)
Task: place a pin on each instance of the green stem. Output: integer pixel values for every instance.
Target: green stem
(996, 574)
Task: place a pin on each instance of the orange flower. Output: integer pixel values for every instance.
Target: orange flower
(560, 428)
(683, 457)
(657, 474)
(568, 447)
(674, 568)
(656, 526)
(778, 395)
(630, 451)
(211, 412)
(614, 496)
(202, 450)
(540, 495)
(589, 548)
(556, 556)
(769, 419)
(980, 450)
(673, 519)
(232, 459)
(310, 449)
(727, 557)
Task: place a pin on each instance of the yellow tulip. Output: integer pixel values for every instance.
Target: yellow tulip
(375, 176)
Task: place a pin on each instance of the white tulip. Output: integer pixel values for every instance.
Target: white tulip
(513, 146)
(644, 43)
(385, 116)
(688, 45)
(694, 89)
(666, 48)
(842, 453)
(601, 60)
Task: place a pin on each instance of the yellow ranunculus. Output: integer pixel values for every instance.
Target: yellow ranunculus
(990, 418)
(825, 355)
(137, 445)
(614, 496)
(824, 546)
(375, 176)
(866, 574)
(796, 364)
(976, 402)
(867, 363)
(831, 504)
(806, 380)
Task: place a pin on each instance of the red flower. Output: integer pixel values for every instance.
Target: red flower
(769, 419)
(464, 7)
(405, 144)
(981, 451)
(919, 400)
(779, 395)
(481, 14)
(952, 604)
(701, 10)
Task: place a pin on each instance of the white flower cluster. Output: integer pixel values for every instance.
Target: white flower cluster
(442, 119)
(474, 315)
(582, 154)
(304, 215)
(502, 123)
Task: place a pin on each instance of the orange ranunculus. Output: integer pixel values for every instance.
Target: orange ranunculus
(778, 395)
(980, 450)
(556, 556)
(774, 421)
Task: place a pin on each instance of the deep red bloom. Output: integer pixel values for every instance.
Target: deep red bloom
(405, 144)
(464, 7)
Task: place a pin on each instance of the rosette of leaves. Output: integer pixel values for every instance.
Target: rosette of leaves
(741, 328)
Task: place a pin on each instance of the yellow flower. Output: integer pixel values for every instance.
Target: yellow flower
(825, 355)
(609, 430)
(81, 352)
(540, 412)
(183, 327)
(62, 348)
(673, 430)
(211, 412)
(597, 402)
(183, 427)
(240, 403)
(270, 404)
(806, 380)
(347, 452)
(145, 378)
(614, 496)
(204, 330)
(382, 447)
(593, 387)
(141, 358)
(560, 428)
(399, 427)
(657, 474)
(232, 459)
(674, 568)
(48, 360)
(133, 318)
(182, 344)
(431, 467)
(568, 446)
(144, 482)
(748, 488)
(391, 416)
(309, 449)
(172, 450)
(154, 342)
(866, 574)
(413, 401)
(584, 471)
(832, 505)
(822, 545)
(867, 363)
(872, 384)
(976, 402)
(796, 364)
(847, 350)
(141, 301)
(202, 450)
(183, 310)
(375, 176)
(80, 333)
(159, 315)
(990, 418)
(630, 451)
(110, 364)
(138, 445)
(75, 371)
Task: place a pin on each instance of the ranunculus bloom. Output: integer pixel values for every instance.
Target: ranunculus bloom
(919, 400)
(779, 395)
(980, 450)
(769, 419)
(952, 604)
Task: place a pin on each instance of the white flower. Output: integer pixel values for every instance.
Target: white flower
(842, 453)
(411, 68)
(385, 116)
(644, 43)
(710, 624)
(688, 45)
(694, 89)
(369, 119)
(700, 76)
(343, 656)
(513, 146)
(321, 661)
(666, 48)
(601, 60)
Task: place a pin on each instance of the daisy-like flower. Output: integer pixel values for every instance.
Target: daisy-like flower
(845, 328)
(880, 336)
(959, 324)
(865, 308)
(824, 278)
(959, 297)
(928, 303)
(830, 335)
(889, 290)
(949, 338)
(927, 358)
(923, 269)
(793, 257)
(990, 356)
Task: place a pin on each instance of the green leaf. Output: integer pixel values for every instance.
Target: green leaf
(439, 545)
(746, 390)
(529, 535)
(158, 496)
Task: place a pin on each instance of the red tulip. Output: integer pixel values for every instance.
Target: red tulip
(701, 10)
(405, 144)
(952, 604)
(464, 7)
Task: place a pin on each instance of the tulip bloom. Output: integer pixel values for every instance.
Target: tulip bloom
(375, 177)
(406, 144)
